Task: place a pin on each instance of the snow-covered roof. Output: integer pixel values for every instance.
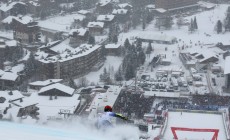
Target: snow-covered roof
(58, 86)
(96, 24)
(46, 82)
(112, 46)
(206, 4)
(21, 19)
(161, 10)
(83, 50)
(119, 11)
(18, 68)
(50, 44)
(15, 95)
(7, 7)
(61, 47)
(105, 17)
(11, 43)
(123, 5)
(150, 6)
(80, 31)
(9, 76)
(157, 37)
(83, 12)
(41, 55)
(34, 3)
(226, 65)
(104, 2)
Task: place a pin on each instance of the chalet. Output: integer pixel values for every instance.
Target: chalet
(125, 6)
(104, 6)
(9, 51)
(113, 49)
(227, 73)
(122, 15)
(37, 85)
(12, 9)
(96, 28)
(34, 7)
(106, 19)
(25, 30)
(8, 80)
(79, 36)
(56, 90)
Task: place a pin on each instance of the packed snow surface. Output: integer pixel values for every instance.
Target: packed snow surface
(64, 131)
(195, 120)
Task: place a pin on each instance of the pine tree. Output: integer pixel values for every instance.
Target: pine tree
(118, 74)
(219, 27)
(179, 22)
(195, 24)
(91, 40)
(115, 39)
(191, 27)
(30, 65)
(143, 24)
(127, 44)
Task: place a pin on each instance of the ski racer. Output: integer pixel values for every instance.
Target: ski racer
(105, 120)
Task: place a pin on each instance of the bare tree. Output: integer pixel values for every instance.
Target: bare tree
(83, 82)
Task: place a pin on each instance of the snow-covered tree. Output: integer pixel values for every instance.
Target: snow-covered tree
(91, 40)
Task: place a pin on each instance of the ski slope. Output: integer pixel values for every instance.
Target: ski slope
(63, 131)
(195, 120)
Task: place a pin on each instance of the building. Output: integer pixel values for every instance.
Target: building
(56, 90)
(113, 49)
(25, 30)
(106, 19)
(9, 51)
(34, 8)
(12, 9)
(122, 15)
(227, 73)
(37, 85)
(104, 6)
(175, 4)
(70, 63)
(96, 28)
(78, 36)
(9, 80)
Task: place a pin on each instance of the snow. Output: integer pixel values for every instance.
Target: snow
(22, 19)
(123, 5)
(17, 68)
(63, 46)
(9, 76)
(58, 86)
(80, 31)
(119, 11)
(6, 7)
(96, 24)
(94, 76)
(83, 12)
(11, 43)
(46, 82)
(105, 17)
(161, 10)
(6, 34)
(112, 46)
(226, 66)
(65, 130)
(206, 4)
(34, 3)
(60, 23)
(102, 99)
(195, 120)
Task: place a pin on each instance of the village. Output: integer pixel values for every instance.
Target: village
(61, 59)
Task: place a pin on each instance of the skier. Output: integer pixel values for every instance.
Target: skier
(104, 121)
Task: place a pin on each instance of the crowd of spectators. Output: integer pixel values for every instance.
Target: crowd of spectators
(134, 105)
(211, 100)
